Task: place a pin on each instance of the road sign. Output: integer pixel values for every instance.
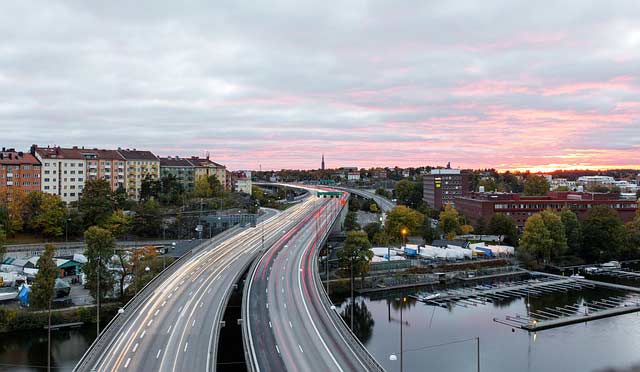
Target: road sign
(329, 194)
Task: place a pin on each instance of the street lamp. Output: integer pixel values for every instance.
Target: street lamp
(404, 233)
(402, 302)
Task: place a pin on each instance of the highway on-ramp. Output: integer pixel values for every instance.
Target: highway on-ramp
(177, 327)
(289, 325)
(384, 203)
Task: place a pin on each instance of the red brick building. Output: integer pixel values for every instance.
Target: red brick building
(443, 186)
(477, 206)
(106, 165)
(19, 170)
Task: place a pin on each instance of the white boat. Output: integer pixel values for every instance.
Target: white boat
(611, 265)
(576, 276)
(432, 296)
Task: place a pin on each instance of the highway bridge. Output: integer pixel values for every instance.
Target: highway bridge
(384, 203)
(290, 324)
(174, 327)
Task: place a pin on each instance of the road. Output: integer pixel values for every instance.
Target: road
(289, 325)
(176, 329)
(384, 203)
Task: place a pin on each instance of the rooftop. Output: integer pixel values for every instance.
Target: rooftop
(137, 154)
(11, 156)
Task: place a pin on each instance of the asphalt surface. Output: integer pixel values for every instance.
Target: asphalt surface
(289, 326)
(384, 203)
(177, 328)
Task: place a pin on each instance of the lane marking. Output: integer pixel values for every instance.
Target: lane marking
(149, 324)
(285, 305)
(193, 323)
(290, 325)
(201, 303)
(164, 303)
(156, 313)
(169, 330)
(143, 333)
(158, 355)
(270, 326)
(300, 347)
(126, 364)
(135, 347)
(185, 346)
(179, 309)
(277, 349)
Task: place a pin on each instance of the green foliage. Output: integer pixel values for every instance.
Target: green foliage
(45, 280)
(202, 188)
(572, 230)
(356, 253)
(480, 226)
(49, 214)
(100, 246)
(351, 221)
(603, 235)
(536, 186)
(544, 237)
(118, 223)
(373, 208)
(148, 219)
(380, 238)
(489, 184)
(402, 217)
(97, 202)
(382, 192)
(150, 188)
(429, 233)
(372, 229)
(449, 221)
(409, 193)
(217, 189)
(505, 227)
(3, 238)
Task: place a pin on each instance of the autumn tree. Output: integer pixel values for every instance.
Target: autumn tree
(3, 237)
(13, 204)
(100, 247)
(449, 221)
(141, 259)
(118, 223)
(544, 236)
(202, 188)
(49, 215)
(603, 235)
(536, 186)
(402, 217)
(44, 283)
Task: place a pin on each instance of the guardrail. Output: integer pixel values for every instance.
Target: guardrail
(366, 357)
(106, 337)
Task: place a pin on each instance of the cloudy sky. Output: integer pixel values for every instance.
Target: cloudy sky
(506, 84)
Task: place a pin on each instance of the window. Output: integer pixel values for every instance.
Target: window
(26, 167)
(46, 187)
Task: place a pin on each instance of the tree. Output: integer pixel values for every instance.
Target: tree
(382, 192)
(380, 239)
(350, 221)
(572, 230)
(100, 246)
(536, 186)
(13, 203)
(202, 188)
(148, 218)
(489, 184)
(3, 237)
(373, 208)
(97, 202)
(409, 193)
(45, 280)
(119, 223)
(140, 260)
(480, 227)
(449, 221)
(466, 229)
(150, 188)
(356, 254)
(372, 229)
(603, 235)
(217, 189)
(50, 215)
(536, 239)
(402, 217)
(505, 227)
(429, 233)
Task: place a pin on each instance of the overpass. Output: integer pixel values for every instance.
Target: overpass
(173, 324)
(384, 203)
(289, 322)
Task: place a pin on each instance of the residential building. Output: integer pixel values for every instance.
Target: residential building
(591, 181)
(63, 171)
(181, 168)
(353, 176)
(139, 166)
(19, 171)
(563, 182)
(476, 206)
(242, 181)
(206, 168)
(443, 186)
(108, 165)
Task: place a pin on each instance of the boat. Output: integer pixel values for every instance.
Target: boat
(576, 276)
(432, 296)
(611, 265)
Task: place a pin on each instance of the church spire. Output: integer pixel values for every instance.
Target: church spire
(322, 162)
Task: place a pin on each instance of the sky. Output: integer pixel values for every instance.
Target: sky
(509, 84)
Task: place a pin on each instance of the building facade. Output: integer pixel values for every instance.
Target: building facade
(242, 181)
(139, 166)
(206, 168)
(63, 171)
(106, 165)
(182, 169)
(443, 186)
(476, 206)
(19, 170)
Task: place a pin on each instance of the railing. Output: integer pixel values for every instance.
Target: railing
(106, 337)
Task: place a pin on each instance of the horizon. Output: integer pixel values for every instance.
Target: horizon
(515, 86)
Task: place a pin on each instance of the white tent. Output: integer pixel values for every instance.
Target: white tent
(383, 251)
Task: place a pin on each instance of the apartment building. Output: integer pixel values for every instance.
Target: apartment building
(242, 181)
(206, 168)
(106, 165)
(19, 171)
(63, 171)
(442, 186)
(181, 168)
(139, 165)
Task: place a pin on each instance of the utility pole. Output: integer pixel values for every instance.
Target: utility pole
(49, 336)
(353, 300)
(478, 352)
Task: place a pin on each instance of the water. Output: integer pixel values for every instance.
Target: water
(27, 351)
(610, 342)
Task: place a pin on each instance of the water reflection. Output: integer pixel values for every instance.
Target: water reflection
(363, 320)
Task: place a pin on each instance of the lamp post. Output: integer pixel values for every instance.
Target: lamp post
(404, 233)
(327, 267)
(98, 300)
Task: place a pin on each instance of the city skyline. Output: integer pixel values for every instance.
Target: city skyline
(510, 85)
